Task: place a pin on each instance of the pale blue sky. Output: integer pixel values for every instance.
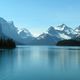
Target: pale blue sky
(38, 15)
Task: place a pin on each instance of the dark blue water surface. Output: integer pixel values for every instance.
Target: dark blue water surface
(40, 63)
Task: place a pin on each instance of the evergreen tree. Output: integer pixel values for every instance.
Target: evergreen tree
(7, 43)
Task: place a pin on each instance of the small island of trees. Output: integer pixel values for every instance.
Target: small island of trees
(7, 44)
(70, 42)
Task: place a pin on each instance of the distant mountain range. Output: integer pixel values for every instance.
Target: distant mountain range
(50, 37)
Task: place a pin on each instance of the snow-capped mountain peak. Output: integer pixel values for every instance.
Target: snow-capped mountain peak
(51, 28)
(62, 31)
(24, 33)
(62, 27)
(24, 30)
(8, 30)
(78, 29)
(23, 36)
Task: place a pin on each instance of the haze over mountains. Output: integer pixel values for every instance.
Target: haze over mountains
(50, 37)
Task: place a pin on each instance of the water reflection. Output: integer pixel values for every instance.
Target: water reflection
(23, 56)
(43, 61)
(51, 56)
(64, 58)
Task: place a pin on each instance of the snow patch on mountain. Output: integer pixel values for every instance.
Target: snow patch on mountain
(8, 29)
(24, 33)
(52, 35)
(78, 29)
(63, 36)
(62, 31)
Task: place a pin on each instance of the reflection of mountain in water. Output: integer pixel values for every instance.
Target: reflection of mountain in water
(14, 58)
(64, 58)
(54, 57)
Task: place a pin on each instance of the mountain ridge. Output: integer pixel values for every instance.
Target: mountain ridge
(51, 36)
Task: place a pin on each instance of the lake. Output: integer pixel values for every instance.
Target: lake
(40, 63)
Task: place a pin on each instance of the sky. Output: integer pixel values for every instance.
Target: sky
(38, 15)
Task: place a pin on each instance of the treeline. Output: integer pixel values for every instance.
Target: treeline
(70, 42)
(7, 43)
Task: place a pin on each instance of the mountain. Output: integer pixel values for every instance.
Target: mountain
(62, 31)
(1, 34)
(77, 36)
(78, 29)
(25, 36)
(50, 37)
(9, 30)
(55, 34)
(47, 39)
(24, 33)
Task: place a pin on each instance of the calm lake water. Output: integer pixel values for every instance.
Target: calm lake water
(40, 63)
